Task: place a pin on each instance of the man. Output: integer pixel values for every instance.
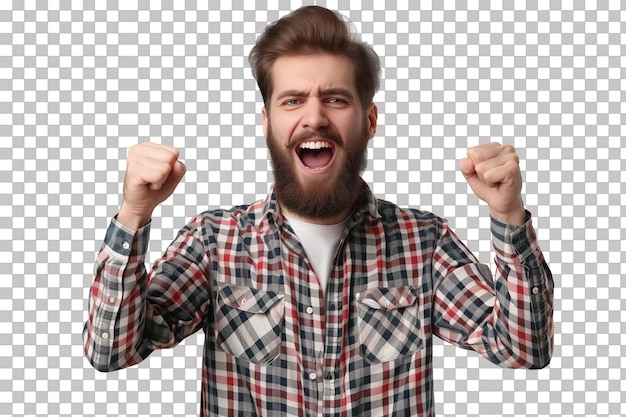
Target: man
(321, 299)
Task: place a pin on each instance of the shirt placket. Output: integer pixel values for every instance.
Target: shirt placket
(311, 328)
(336, 318)
(332, 356)
(311, 337)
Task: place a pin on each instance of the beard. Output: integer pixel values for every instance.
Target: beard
(321, 198)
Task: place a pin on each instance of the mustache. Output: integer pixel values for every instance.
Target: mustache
(320, 133)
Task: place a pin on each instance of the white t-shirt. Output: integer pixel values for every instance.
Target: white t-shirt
(320, 242)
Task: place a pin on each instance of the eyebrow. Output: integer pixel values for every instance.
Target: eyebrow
(335, 91)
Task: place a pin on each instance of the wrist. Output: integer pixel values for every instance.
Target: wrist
(132, 219)
(514, 218)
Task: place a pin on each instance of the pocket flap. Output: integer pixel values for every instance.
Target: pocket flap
(388, 298)
(248, 299)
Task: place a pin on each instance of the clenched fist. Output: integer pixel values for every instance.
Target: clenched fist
(153, 172)
(493, 173)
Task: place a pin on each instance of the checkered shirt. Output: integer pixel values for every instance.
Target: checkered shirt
(276, 343)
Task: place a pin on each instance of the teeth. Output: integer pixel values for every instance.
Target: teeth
(315, 145)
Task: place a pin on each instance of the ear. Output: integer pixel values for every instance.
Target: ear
(265, 121)
(372, 120)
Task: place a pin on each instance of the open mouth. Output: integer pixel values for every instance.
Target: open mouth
(316, 155)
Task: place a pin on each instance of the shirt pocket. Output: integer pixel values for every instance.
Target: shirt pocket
(389, 325)
(249, 323)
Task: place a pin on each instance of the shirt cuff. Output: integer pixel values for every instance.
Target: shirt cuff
(513, 244)
(122, 241)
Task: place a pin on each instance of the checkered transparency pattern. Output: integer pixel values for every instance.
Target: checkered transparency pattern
(81, 82)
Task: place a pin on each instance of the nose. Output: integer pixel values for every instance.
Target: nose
(315, 116)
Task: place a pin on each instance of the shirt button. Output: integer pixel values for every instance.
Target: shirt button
(111, 300)
(535, 290)
(312, 376)
(309, 310)
(125, 245)
(105, 335)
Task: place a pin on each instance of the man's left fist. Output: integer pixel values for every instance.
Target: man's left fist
(493, 173)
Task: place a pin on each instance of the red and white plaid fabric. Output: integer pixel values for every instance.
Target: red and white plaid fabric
(275, 345)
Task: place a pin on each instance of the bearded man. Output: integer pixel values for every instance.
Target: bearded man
(320, 299)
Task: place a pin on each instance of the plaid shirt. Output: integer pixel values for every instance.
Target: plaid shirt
(275, 344)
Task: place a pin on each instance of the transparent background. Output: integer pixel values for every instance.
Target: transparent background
(82, 81)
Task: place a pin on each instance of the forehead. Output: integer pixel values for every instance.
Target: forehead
(313, 72)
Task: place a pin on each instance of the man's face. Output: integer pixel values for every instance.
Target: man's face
(317, 133)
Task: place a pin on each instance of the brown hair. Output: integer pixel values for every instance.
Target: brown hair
(311, 29)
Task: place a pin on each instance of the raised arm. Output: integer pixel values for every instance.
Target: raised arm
(507, 315)
(131, 312)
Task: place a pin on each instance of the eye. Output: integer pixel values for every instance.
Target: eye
(337, 102)
(291, 102)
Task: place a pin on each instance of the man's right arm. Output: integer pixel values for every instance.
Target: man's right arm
(117, 307)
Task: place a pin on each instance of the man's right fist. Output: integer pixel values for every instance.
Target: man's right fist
(152, 173)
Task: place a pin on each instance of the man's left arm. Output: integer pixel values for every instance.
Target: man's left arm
(508, 317)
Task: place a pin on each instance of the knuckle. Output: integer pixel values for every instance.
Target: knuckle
(508, 149)
(514, 166)
(162, 171)
(472, 152)
(480, 168)
(513, 157)
(488, 177)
